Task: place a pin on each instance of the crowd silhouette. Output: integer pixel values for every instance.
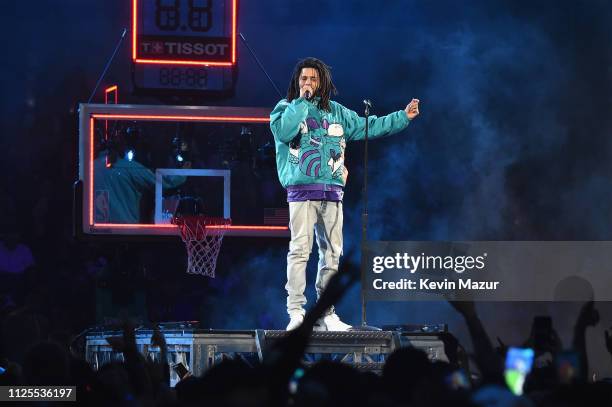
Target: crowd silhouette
(33, 354)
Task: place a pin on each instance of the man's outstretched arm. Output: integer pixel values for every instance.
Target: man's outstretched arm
(379, 126)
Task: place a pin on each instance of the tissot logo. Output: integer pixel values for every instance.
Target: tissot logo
(184, 48)
(172, 48)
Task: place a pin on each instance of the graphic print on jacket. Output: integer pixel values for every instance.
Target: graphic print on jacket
(320, 150)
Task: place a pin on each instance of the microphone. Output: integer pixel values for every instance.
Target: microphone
(367, 102)
(307, 94)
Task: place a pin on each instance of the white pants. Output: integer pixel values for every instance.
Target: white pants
(309, 219)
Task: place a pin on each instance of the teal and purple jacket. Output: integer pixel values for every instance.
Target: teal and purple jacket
(310, 145)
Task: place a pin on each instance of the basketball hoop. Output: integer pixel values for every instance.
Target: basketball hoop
(202, 236)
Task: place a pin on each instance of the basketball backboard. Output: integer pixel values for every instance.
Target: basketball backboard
(140, 165)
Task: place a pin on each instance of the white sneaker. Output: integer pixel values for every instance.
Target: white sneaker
(319, 326)
(333, 323)
(295, 321)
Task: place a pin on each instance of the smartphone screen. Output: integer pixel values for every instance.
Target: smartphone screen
(180, 370)
(518, 366)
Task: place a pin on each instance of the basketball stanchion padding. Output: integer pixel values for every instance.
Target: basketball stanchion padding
(202, 236)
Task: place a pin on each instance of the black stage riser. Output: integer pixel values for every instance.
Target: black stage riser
(200, 349)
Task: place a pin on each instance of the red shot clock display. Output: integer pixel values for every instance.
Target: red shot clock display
(184, 44)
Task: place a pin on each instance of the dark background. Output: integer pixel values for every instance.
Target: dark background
(513, 143)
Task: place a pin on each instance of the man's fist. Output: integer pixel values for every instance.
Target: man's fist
(304, 89)
(412, 110)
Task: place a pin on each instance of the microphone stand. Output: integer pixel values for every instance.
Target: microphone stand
(364, 222)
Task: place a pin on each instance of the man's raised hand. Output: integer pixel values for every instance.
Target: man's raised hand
(412, 110)
(303, 91)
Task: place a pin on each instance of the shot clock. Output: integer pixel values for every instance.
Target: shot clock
(184, 45)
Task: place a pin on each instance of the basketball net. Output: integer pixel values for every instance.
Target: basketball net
(202, 236)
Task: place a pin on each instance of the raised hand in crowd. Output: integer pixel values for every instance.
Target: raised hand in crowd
(608, 338)
(588, 316)
(488, 361)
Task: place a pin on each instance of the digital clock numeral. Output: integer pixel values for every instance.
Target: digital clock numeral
(190, 77)
(167, 17)
(200, 17)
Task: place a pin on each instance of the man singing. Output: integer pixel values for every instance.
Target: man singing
(310, 132)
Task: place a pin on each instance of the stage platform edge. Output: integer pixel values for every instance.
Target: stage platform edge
(200, 349)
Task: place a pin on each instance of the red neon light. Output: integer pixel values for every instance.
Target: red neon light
(91, 164)
(166, 61)
(135, 225)
(234, 32)
(181, 62)
(242, 227)
(160, 226)
(175, 118)
(134, 11)
(110, 89)
(284, 228)
(172, 226)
